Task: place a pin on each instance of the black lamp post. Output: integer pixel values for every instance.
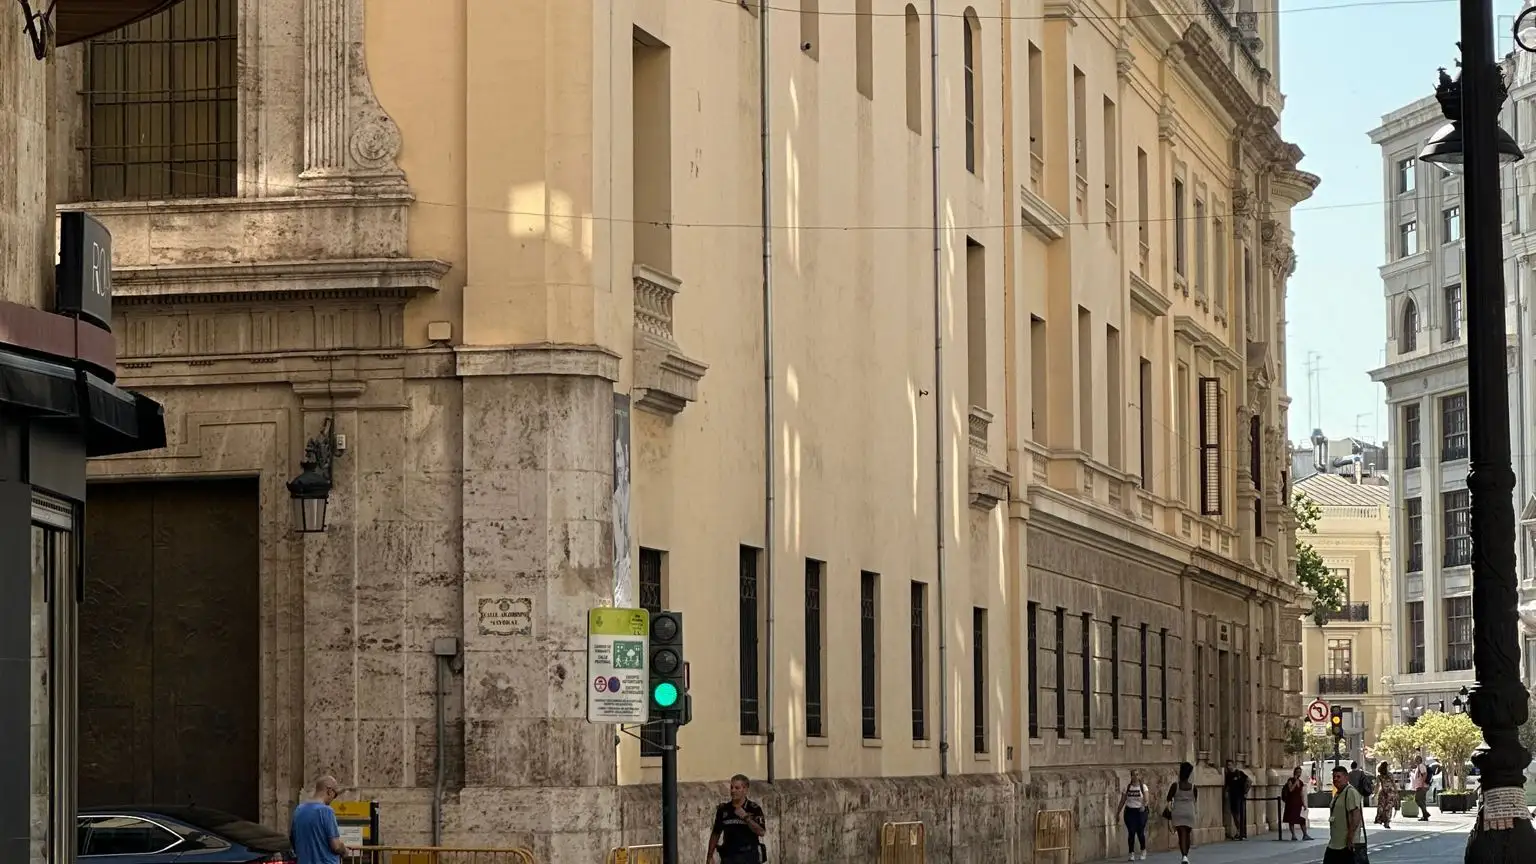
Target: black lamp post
(311, 490)
(1498, 701)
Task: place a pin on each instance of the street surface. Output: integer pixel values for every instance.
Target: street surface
(1443, 838)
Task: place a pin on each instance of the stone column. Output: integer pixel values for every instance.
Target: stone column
(538, 553)
(350, 144)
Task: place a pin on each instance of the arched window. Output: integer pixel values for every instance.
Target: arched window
(1408, 339)
(972, 86)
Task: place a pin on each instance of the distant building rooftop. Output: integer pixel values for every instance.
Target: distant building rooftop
(1333, 490)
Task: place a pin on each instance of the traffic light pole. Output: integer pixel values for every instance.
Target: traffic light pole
(1335, 751)
(668, 792)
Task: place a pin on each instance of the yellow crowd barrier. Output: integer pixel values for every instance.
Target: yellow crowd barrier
(650, 854)
(438, 855)
(903, 843)
(1053, 833)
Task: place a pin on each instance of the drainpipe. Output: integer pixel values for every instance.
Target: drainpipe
(765, 118)
(938, 392)
(445, 650)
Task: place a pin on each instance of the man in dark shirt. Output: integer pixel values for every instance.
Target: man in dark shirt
(1236, 784)
(739, 828)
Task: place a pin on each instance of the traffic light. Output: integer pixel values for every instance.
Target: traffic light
(668, 675)
(1336, 722)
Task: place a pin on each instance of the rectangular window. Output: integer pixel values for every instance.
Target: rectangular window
(1143, 206)
(1039, 380)
(869, 652)
(1453, 427)
(810, 28)
(1405, 176)
(1114, 677)
(1458, 634)
(1408, 238)
(815, 649)
(1111, 168)
(1413, 509)
(919, 656)
(1452, 326)
(1114, 398)
(969, 54)
(1211, 492)
(1146, 730)
(652, 565)
(1200, 694)
(1183, 436)
(1450, 224)
(162, 117)
(1415, 641)
(1180, 266)
(1086, 647)
(1061, 672)
(1085, 380)
(1456, 516)
(1036, 107)
(1162, 674)
(1256, 470)
(979, 679)
(1219, 274)
(1202, 252)
(1341, 658)
(914, 49)
(1343, 574)
(1080, 122)
(1144, 421)
(1412, 442)
(976, 321)
(1032, 660)
(651, 151)
(749, 662)
(864, 47)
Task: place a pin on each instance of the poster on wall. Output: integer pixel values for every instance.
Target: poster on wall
(623, 593)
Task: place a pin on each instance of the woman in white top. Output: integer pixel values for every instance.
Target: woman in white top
(1135, 804)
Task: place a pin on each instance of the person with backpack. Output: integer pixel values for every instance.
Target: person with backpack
(1135, 805)
(1361, 780)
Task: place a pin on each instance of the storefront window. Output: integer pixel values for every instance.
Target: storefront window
(54, 617)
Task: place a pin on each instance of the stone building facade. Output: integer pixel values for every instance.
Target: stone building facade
(989, 507)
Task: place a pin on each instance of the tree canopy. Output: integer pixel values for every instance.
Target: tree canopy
(1326, 587)
(1451, 738)
(1397, 744)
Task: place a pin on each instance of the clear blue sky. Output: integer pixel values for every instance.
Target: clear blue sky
(1345, 63)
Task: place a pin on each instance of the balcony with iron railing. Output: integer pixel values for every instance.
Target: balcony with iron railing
(1343, 685)
(1350, 613)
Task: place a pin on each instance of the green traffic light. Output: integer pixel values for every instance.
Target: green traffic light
(665, 694)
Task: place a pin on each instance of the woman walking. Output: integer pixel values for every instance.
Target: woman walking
(1182, 796)
(1134, 802)
(1386, 795)
(1294, 796)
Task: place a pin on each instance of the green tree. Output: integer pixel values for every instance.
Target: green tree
(1451, 738)
(1320, 746)
(1398, 744)
(1325, 586)
(1295, 739)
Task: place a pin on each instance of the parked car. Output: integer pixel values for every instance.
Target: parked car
(176, 835)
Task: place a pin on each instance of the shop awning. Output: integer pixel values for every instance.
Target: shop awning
(79, 20)
(113, 420)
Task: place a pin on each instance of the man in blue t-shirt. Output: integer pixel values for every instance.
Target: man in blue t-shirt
(314, 834)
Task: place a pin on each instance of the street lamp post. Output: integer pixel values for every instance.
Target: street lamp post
(1497, 702)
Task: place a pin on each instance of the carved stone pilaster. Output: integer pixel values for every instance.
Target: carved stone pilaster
(1125, 61)
(1168, 126)
(350, 144)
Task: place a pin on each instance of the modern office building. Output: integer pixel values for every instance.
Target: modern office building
(947, 409)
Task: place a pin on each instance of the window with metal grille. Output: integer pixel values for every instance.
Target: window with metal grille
(1114, 677)
(1458, 634)
(1031, 657)
(1086, 652)
(1456, 515)
(919, 627)
(650, 600)
(979, 678)
(1162, 672)
(1256, 471)
(1412, 447)
(1210, 447)
(869, 593)
(1453, 427)
(1146, 729)
(815, 650)
(1413, 511)
(1144, 418)
(750, 660)
(1061, 672)
(1451, 329)
(160, 105)
(1415, 616)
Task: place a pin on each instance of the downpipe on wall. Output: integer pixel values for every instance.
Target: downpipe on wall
(446, 651)
(765, 121)
(938, 391)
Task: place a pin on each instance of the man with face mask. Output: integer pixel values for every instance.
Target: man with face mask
(739, 828)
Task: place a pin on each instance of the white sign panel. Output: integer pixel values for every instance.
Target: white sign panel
(618, 648)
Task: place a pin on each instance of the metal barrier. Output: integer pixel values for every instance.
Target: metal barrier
(438, 855)
(1053, 833)
(903, 843)
(649, 854)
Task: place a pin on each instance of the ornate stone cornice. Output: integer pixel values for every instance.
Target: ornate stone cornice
(267, 282)
(1169, 127)
(1125, 61)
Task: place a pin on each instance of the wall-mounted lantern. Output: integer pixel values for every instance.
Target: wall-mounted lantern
(311, 490)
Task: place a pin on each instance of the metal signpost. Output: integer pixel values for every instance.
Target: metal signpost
(618, 642)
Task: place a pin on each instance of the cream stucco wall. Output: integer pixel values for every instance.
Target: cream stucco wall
(438, 240)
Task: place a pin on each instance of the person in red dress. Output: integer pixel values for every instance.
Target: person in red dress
(1294, 797)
